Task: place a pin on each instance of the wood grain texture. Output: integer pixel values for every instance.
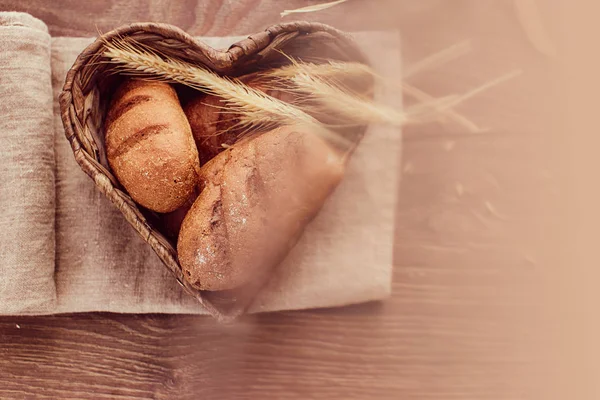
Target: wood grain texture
(475, 236)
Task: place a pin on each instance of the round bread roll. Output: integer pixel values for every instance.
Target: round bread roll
(150, 147)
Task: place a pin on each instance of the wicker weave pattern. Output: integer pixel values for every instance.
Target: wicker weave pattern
(83, 104)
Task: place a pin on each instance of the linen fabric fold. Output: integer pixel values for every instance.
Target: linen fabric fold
(27, 195)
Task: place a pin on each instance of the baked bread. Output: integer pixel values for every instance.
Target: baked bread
(213, 129)
(256, 199)
(149, 145)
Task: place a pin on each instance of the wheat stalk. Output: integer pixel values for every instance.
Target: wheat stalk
(345, 103)
(313, 8)
(321, 82)
(437, 59)
(335, 69)
(426, 98)
(256, 109)
(328, 70)
(317, 82)
(488, 85)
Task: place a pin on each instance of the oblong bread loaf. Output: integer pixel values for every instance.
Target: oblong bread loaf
(150, 147)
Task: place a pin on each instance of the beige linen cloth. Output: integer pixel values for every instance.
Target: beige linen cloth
(65, 248)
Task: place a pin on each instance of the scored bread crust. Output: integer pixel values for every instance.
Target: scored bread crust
(150, 147)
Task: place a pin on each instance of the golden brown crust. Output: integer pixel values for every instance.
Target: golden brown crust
(211, 128)
(257, 198)
(150, 147)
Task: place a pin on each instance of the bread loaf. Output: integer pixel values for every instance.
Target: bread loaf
(149, 145)
(213, 128)
(257, 198)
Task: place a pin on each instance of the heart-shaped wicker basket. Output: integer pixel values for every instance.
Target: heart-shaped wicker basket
(87, 92)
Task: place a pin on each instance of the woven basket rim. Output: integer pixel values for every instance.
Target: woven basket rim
(77, 110)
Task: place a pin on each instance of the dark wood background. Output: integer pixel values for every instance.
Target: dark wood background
(475, 235)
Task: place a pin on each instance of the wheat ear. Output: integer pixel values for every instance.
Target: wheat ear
(254, 107)
(321, 81)
(334, 70)
(346, 103)
(328, 70)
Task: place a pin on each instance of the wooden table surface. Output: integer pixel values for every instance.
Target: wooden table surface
(474, 235)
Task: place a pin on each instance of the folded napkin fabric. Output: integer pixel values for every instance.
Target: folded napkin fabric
(26, 167)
